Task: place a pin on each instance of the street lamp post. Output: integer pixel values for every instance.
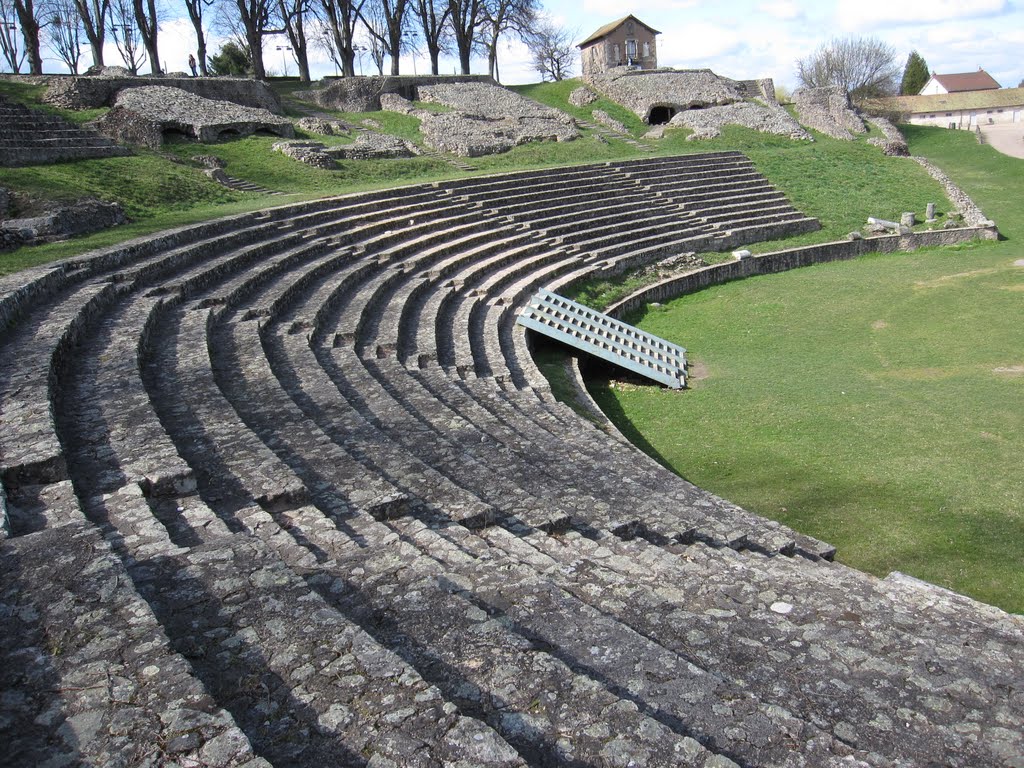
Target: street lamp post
(284, 61)
(359, 51)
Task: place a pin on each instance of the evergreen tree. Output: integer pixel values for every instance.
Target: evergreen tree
(233, 59)
(915, 75)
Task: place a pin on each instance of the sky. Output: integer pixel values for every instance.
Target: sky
(740, 39)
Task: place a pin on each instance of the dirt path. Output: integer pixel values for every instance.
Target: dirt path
(1007, 138)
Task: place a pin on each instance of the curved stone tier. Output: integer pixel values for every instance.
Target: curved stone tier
(286, 488)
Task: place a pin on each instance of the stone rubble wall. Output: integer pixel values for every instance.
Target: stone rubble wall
(308, 152)
(362, 94)
(60, 223)
(708, 123)
(965, 206)
(893, 144)
(141, 115)
(608, 121)
(488, 119)
(323, 127)
(81, 92)
(582, 97)
(828, 110)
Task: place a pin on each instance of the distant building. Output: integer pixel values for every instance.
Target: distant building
(626, 42)
(959, 83)
(967, 109)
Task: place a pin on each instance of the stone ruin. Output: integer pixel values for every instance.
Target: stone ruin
(367, 146)
(698, 99)
(482, 119)
(893, 143)
(363, 94)
(81, 92)
(47, 221)
(829, 111)
(144, 115)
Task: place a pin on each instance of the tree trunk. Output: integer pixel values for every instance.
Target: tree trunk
(435, 54)
(146, 21)
(95, 29)
(30, 35)
(395, 41)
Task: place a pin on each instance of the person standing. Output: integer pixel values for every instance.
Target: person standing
(192, 64)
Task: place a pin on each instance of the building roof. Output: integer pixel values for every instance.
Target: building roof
(607, 29)
(967, 81)
(951, 102)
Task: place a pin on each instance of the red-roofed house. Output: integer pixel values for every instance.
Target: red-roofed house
(958, 83)
(626, 42)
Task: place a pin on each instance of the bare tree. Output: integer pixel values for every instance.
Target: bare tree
(65, 35)
(553, 51)
(864, 67)
(501, 16)
(126, 34)
(195, 10)
(13, 53)
(387, 21)
(341, 18)
(466, 16)
(433, 21)
(94, 15)
(252, 20)
(148, 25)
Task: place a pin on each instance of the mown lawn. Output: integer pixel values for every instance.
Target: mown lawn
(877, 404)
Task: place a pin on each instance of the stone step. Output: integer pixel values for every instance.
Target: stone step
(839, 638)
(89, 675)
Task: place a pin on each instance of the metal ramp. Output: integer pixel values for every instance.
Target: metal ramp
(602, 336)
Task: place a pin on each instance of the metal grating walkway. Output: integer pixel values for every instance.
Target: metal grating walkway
(605, 337)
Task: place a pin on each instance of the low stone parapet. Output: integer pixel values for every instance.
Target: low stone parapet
(791, 258)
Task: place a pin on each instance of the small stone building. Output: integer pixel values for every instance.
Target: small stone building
(627, 42)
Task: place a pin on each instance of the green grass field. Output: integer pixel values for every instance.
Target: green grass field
(877, 404)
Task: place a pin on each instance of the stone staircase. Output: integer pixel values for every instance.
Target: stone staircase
(286, 488)
(32, 137)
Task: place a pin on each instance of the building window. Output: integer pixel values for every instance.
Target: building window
(647, 53)
(999, 111)
(631, 49)
(949, 114)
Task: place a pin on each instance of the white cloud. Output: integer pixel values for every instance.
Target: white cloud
(862, 15)
(785, 10)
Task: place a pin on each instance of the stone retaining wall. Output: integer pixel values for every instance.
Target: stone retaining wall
(362, 94)
(76, 92)
(791, 258)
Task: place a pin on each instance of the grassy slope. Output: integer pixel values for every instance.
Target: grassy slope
(877, 404)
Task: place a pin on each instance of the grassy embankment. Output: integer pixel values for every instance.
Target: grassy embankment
(877, 404)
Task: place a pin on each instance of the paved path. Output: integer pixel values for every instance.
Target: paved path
(1007, 138)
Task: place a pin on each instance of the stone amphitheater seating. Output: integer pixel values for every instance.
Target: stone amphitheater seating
(31, 136)
(286, 488)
